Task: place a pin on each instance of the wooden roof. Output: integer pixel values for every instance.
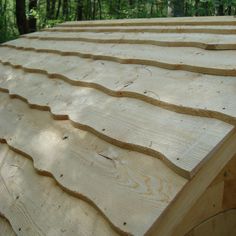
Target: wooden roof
(127, 123)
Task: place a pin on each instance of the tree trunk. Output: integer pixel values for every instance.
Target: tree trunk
(58, 9)
(32, 22)
(48, 7)
(207, 8)
(100, 9)
(229, 10)
(94, 9)
(169, 8)
(131, 2)
(65, 11)
(151, 9)
(79, 10)
(52, 9)
(178, 8)
(220, 11)
(197, 7)
(21, 19)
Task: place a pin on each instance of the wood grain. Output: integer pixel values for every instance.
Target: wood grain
(183, 142)
(222, 224)
(172, 58)
(216, 29)
(204, 41)
(5, 227)
(202, 20)
(35, 205)
(122, 184)
(207, 95)
(170, 220)
(160, 87)
(132, 120)
(218, 197)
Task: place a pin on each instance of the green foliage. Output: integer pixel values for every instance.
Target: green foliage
(106, 9)
(8, 28)
(32, 14)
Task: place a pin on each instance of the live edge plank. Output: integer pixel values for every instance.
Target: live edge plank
(183, 141)
(207, 95)
(219, 29)
(174, 58)
(205, 41)
(122, 184)
(219, 20)
(35, 205)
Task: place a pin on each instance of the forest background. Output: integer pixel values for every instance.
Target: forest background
(25, 16)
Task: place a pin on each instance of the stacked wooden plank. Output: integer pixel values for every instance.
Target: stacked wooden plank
(120, 127)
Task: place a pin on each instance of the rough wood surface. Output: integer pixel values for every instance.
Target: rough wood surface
(5, 228)
(175, 58)
(219, 196)
(208, 205)
(173, 216)
(183, 141)
(151, 29)
(35, 205)
(220, 225)
(205, 41)
(118, 113)
(221, 20)
(74, 157)
(207, 95)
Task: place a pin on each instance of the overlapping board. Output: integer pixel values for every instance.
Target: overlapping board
(125, 116)
(5, 227)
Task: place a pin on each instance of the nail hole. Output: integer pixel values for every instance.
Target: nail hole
(19, 229)
(177, 159)
(65, 137)
(61, 175)
(223, 108)
(145, 92)
(124, 223)
(103, 129)
(17, 197)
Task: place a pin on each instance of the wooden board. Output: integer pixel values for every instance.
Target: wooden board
(174, 58)
(133, 122)
(218, 197)
(205, 41)
(35, 205)
(150, 29)
(170, 220)
(207, 95)
(74, 157)
(219, 20)
(5, 228)
(220, 225)
(184, 148)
